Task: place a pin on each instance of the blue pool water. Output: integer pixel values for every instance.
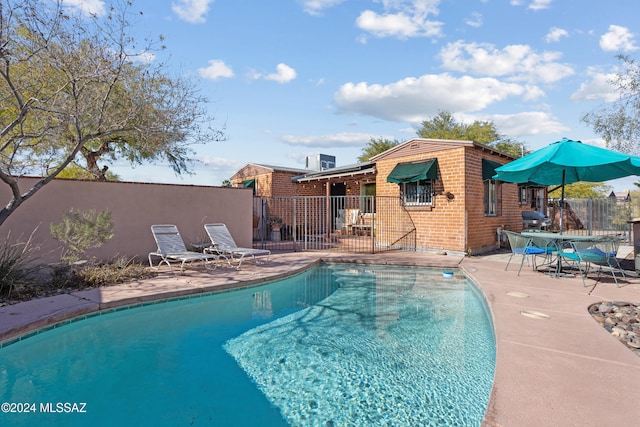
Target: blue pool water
(337, 345)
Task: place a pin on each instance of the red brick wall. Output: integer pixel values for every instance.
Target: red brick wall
(277, 183)
(309, 189)
(454, 225)
(440, 226)
(318, 188)
(458, 224)
(281, 184)
(481, 229)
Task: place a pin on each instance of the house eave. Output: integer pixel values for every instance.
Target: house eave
(345, 174)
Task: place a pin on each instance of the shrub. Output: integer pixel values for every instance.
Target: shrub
(118, 270)
(16, 265)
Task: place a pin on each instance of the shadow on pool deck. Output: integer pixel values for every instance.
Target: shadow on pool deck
(555, 367)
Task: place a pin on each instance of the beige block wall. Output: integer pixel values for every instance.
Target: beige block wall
(134, 208)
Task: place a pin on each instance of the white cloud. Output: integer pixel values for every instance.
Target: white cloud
(618, 38)
(475, 20)
(144, 57)
(409, 130)
(253, 74)
(599, 88)
(316, 7)
(555, 34)
(518, 62)
(540, 4)
(283, 74)
(87, 7)
(402, 19)
(397, 25)
(412, 99)
(219, 163)
(342, 139)
(532, 92)
(193, 11)
(527, 124)
(217, 69)
(533, 5)
(598, 142)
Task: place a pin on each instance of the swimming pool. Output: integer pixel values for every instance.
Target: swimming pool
(337, 345)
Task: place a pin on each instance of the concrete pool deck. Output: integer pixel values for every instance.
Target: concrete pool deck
(555, 366)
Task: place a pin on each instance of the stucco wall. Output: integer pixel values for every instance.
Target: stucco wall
(134, 208)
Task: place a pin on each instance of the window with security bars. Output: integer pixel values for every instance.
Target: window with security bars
(491, 197)
(523, 195)
(417, 193)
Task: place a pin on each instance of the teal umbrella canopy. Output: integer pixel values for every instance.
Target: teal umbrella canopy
(567, 161)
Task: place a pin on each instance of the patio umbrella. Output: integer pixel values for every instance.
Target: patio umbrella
(567, 161)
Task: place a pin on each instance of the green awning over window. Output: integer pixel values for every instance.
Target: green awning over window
(413, 172)
(489, 169)
(250, 183)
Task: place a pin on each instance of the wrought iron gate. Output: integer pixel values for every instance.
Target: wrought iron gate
(337, 223)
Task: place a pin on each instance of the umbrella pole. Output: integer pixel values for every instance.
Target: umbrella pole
(562, 200)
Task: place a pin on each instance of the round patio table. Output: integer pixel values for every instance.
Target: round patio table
(557, 240)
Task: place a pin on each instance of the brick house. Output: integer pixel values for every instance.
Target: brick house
(447, 189)
(444, 186)
(270, 182)
(267, 180)
(315, 180)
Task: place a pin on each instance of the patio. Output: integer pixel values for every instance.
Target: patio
(555, 364)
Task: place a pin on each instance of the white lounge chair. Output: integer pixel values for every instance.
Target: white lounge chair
(351, 218)
(222, 243)
(171, 247)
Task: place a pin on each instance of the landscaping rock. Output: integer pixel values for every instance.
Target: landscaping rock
(621, 319)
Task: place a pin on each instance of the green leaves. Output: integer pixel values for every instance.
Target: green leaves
(445, 126)
(618, 122)
(376, 146)
(74, 90)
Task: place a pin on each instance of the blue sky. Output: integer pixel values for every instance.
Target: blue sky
(292, 78)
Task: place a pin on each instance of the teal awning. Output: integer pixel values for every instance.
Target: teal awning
(489, 169)
(250, 183)
(414, 171)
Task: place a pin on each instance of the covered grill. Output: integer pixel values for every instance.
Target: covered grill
(535, 219)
